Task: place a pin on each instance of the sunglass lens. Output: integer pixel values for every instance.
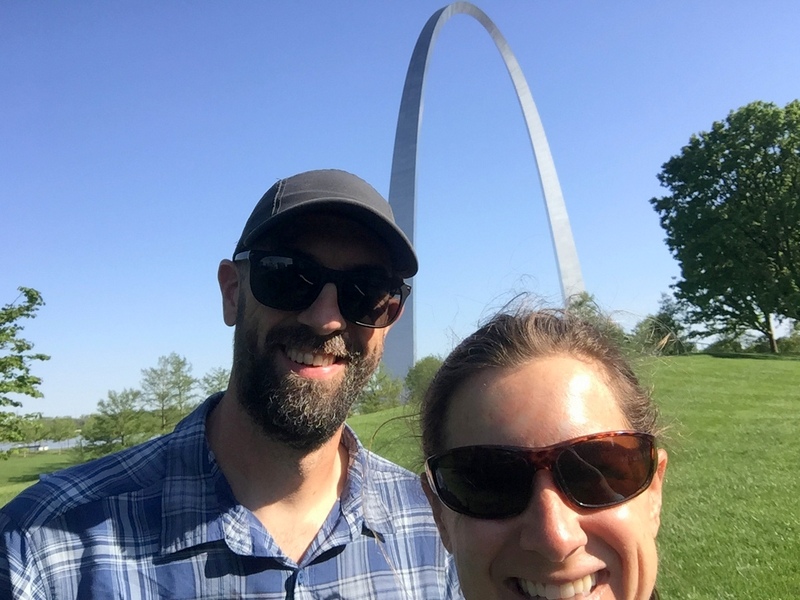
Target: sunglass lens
(283, 283)
(607, 471)
(370, 301)
(366, 297)
(487, 483)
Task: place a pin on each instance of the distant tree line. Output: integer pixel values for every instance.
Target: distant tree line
(672, 330)
(34, 429)
(384, 391)
(167, 393)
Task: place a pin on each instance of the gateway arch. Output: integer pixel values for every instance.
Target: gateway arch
(400, 352)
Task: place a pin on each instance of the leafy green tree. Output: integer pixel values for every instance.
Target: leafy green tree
(119, 423)
(168, 389)
(184, 384)
(381, 392)
(60, 429)
(724, 345)
(665, 332)
(788, 344)
(33, 428)
(419, 377)
(15, 359)
(216, 380)
(758, 345)
(732, 220)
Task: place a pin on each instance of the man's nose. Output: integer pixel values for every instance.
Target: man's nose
(323, 316)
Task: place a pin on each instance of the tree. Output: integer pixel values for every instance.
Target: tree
(419, 377)
(33, 428)
(724, 345)
(788, 344)
(15, 359)
(665, 332)
(791, 343)
(732, 220)
(168, 389)
(183, 384)
(381, 392)
(216, 380)
(60, 429)
(119, 423)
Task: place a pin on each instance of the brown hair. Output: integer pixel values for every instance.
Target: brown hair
(511, 339)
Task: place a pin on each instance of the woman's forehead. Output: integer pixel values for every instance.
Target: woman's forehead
(543, 402)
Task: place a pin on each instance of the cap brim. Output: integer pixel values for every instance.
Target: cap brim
(403, 258)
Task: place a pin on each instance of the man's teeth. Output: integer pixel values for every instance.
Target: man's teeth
(309, 358)
(579, 587)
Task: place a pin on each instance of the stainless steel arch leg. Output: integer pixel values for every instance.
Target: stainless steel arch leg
(401, 344)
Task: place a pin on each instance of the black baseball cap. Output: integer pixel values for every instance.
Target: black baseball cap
(330, 191)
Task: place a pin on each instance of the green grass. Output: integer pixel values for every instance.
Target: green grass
(393, 434)
(18, 472)
(731, 518)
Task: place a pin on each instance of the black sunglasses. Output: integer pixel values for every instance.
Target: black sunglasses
(367, 296)
(496, 482)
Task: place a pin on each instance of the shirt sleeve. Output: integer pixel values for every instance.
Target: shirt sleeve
(19, 577)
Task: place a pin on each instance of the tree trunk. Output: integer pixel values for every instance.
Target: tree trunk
(773, 343)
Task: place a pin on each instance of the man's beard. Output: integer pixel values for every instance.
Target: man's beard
(301, 413)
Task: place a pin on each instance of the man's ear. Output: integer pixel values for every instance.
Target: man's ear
(654, 491)
(228, 277)
(436, 506)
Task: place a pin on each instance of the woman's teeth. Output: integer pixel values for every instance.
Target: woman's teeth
(579, 587)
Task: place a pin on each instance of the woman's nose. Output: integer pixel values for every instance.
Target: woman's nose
(551, 526)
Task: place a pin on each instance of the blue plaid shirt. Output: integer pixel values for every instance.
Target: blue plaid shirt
(160, 521)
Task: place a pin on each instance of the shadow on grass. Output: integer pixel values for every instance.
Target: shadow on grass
(26, 478)
(30, 473)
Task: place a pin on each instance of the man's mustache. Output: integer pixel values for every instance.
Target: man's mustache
(302, 338)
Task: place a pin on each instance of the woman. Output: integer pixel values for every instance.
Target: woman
(542, 468)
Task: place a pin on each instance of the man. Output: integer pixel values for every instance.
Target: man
(262, 492)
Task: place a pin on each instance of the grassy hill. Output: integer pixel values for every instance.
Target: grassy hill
(731, 518)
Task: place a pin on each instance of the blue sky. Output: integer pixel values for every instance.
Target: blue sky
(137, 136)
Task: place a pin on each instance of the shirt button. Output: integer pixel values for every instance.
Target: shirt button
(301, 577)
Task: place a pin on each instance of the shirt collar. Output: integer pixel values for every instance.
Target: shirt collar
(194, 492)
(362, 504)
(198, 505)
